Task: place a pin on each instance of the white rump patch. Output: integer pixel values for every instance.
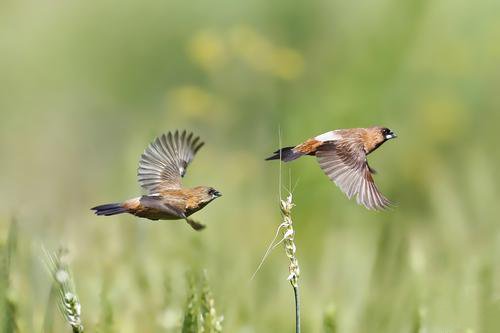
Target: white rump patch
(328, 136)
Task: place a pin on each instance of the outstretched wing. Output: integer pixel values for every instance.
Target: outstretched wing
(344, 162)
(164, 162)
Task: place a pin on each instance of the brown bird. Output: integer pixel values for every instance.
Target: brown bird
(161, 168)
(342, 157)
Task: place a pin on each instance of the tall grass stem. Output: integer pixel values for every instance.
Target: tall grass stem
(68, 302)
(290, 250)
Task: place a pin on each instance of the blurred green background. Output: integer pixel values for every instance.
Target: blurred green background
(86, 85)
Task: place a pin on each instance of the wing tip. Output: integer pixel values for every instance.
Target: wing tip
(377, 203)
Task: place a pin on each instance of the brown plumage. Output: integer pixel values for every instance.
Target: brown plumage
(161, 168)
(341, 154)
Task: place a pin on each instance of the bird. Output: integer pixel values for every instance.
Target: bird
(342, 155)
(161, 169)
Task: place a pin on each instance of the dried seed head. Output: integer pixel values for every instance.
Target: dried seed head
(288, 240)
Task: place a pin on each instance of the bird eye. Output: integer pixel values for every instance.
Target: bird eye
(213, 192)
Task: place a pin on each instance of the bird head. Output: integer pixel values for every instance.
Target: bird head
(375, 137)
(208, 194)
(387, 134)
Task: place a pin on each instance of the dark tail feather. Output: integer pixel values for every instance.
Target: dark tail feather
(287, 154)
(109, 209)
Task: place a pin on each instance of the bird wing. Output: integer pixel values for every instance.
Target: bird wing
(156, 203)
(164, 162)
(344, 162)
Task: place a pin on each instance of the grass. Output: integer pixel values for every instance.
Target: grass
(387, 275)
(200, 315)
(85, 85)
(8, 307)
(63, 285)
(329, 320)
(290, 249)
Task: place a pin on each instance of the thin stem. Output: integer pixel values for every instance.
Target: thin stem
(297, 307)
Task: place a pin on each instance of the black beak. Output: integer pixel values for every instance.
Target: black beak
(217, 194)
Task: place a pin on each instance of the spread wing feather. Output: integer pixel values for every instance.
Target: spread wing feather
(164, 162)
(344, 162)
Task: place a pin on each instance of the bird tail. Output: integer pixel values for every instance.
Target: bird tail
(109, 209)
(286, 154)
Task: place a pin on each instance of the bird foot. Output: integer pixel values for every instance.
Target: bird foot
(195, 225)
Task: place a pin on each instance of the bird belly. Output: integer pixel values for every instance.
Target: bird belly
(154, 214)
(191, 209)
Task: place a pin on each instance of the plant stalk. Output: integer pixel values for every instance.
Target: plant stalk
(290, 250)
(297, 307)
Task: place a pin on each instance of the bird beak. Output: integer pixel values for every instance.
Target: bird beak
(217, 194)
(391, 135)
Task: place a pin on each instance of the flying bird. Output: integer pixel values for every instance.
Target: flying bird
(341, 154)
(161, 168)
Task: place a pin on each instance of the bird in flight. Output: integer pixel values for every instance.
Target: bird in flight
(341, 154)
(161, 168)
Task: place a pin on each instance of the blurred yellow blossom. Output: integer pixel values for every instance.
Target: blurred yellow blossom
(287, 63)
(207, 49)
(192, 101)
(211, 51)
(259, 53)
(251, 47)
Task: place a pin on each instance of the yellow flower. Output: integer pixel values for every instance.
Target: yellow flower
(207, 50)
(251, 47)
(287, 63)
(260, 54)
(191, 101)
